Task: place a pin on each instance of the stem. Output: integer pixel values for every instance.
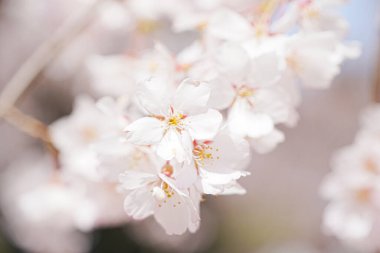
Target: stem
(34, 128)
(376, 85)
(45, 54)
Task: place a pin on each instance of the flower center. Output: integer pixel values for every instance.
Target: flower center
(203, 153)
(89, 134)
(292, 62)
(246, 92)
(146, 26)
(176, 120)
(167, 169)
(162, 191)
(370, 166)
(363, 195)
(183, 67)
(167, 189)
(202, 26)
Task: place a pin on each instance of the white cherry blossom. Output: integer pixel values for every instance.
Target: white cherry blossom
(174, 121)
(220, 163)
(74, 135)
(160, 190)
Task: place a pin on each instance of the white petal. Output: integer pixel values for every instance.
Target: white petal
(229, 25)
(134, 179)
(268, 142)
(308, 53)
(185, 175)
(221, 178)
(228, 189)
(265, 69)
(177, 214)
(175, 145)
(139, 203)
(232, 61)
(145, 131)
(228, 154)
(173, 215)
(222, 94)
(191, 97)
(153, 95)
(204, 126)
(191, 53)
(243, 122)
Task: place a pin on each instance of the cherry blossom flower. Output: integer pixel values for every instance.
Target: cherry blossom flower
(162, 191)
(75, 134)
(174, 121)
(220, 163)
(304, 52)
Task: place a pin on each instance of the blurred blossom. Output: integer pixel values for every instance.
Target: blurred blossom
(149, 233)
(36, 206)
(352, 188)
(76, 134)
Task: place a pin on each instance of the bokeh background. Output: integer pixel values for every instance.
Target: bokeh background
(282, 211)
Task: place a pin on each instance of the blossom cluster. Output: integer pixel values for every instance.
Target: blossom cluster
(170, 127)
(194, 114)
(352, 188)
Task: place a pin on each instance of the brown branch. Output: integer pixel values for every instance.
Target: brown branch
(44, 55)
(34, 128)
(376, 86)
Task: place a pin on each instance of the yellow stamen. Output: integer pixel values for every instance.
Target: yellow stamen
(245, 92)
(176, 120)
(202, 153)
(146, 26)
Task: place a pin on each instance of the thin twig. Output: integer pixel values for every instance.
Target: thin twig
(45, 54)
(376, 86)
(34, 128)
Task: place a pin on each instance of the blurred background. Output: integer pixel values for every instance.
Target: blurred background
(282, 210)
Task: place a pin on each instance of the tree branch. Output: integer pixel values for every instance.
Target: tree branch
(44, 55)
(376, 86)
(34, 128)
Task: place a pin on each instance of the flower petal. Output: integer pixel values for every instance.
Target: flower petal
(139, 204)
(153, 95)
(232, 61)
(243, 122)
(204, 126)
(175, 145)
(229, 25)
(191, 97)
(134, 179)
(145, 131)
